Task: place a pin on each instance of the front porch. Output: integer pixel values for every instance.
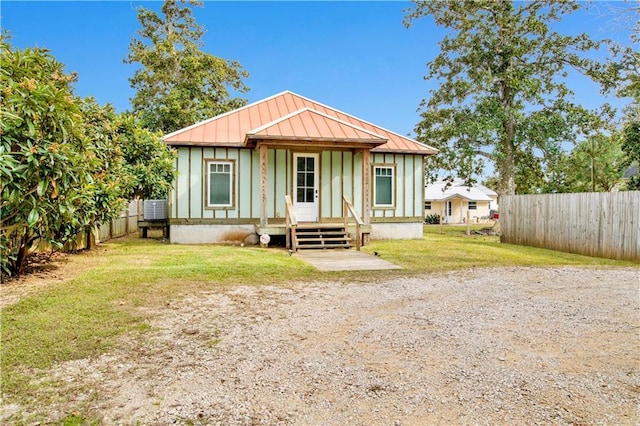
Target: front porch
(305, 227)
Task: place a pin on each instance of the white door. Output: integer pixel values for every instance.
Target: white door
(449, 212)
(305, 187)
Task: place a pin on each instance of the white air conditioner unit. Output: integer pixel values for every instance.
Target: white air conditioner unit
(155, 209)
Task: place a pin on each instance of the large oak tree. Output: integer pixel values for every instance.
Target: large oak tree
(178, 83)
(503, 94)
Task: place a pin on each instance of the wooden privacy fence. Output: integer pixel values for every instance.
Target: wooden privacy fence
(594, 224)
(125, 224)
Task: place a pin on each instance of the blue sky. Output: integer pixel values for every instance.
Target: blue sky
(354, 56)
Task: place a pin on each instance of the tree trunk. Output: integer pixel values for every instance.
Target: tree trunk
(506, 166)
(21, 258)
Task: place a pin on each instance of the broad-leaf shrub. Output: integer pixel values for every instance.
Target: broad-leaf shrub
(60, 164)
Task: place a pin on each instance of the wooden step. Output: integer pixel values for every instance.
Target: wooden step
(324, 233)
(320, 231)
(319, 225)
(343, 238)
(322, 236)
(324, 246)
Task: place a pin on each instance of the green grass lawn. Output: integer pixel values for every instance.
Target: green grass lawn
(453, 249)
(84, 316)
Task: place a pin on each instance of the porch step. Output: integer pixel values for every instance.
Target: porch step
(322, 236)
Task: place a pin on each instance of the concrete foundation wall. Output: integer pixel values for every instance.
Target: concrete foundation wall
(208, 234)
(396, 231)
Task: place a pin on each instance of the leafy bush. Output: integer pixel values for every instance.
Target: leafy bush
(59, 160)
(432, 219)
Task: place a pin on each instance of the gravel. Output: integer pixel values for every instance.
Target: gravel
(483, 346)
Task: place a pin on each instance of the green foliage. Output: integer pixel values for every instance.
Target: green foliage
(502, 94)
(432, 219)
(179, 84)
(624, 67)
(596, 164)
(631, 148)
(148, 160)
(67, 164)
(59, 161)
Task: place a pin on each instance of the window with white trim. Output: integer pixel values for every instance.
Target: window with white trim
(473, 205)
(383, 186)
(219, 183)
(427, 205)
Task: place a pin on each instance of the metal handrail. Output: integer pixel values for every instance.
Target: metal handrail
(347, 208)
(292, 224)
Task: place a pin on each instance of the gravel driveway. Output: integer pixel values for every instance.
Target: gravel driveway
(485, 346)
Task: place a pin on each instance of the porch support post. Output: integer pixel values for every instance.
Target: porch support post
(263, 185)
(366, 186)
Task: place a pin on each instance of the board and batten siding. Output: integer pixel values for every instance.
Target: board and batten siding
(340, 173)
(188, 199)
(337, 178)
(594, 224)
(409, 188)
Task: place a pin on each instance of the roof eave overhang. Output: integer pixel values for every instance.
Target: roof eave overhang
(405, 151)
(205, 144)
(254, 140)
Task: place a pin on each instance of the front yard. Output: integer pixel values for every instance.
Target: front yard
(247, 335)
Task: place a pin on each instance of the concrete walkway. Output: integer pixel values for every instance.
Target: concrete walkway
(344, 260)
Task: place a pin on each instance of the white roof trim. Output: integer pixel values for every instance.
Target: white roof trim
(300, 111)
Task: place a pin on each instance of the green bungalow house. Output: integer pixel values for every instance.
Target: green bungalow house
(288, 164)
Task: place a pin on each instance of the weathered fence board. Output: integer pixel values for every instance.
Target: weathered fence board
(595, 224)
(126, 224)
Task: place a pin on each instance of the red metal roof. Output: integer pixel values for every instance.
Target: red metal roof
(289, 116)
(309, 124)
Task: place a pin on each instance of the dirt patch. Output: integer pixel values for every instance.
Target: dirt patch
(46, 269)
(485, 346)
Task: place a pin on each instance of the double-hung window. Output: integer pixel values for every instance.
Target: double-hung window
(473, 205)
(427, 205)
(383, 185)
(219, 183)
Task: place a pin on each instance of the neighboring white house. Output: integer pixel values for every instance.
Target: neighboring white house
(453, 202)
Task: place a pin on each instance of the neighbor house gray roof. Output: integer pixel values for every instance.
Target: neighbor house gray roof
(457, 189)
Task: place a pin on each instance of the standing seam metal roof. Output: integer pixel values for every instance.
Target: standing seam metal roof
(319, 121)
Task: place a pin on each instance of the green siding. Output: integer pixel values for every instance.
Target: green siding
(270, 182)
(339, 173)
(375, 159)
(232, 154)
(243, 184)
(279, 182)
(173, 196)
(336, 184)
(408, 185)
(358, 200)
(347, 176)
(403, 200)
(418, 186)
(325, 184)
(196, 201)
(207, 154)
(255, 187)
(183, 184)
